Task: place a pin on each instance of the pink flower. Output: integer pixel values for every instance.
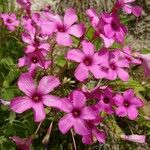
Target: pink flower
(88, 60)
(94, 18)
(95, 133)
(113, 28)
(146, 63)
(128, 8)
(36, 96)
(106, 101)
(77, 113)
(34, 60)
(94, 93)
(35, 42)
(66, 27)
(117, 66)
(22, 143)
(127, 104)
(26, 5)
(134, 138)
(10, 21)
(126, 54)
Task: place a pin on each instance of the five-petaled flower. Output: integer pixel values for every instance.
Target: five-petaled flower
(36, 96)
(127, 104)
(77, 113)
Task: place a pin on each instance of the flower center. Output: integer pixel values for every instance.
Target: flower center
(76, 113)
(128, 58)
(106, 100)
(126, 104)
(114, 26)
(61, 28)
(34, 59)
(9, 21)
(36, 98)
(87, 61)
(113, 66)
(105, 69)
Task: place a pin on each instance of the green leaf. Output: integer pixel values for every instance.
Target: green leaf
(60, 61)
(134, 85)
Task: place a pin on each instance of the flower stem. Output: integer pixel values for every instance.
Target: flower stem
(74, 142)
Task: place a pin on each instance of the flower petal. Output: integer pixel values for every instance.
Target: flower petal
(107, 42)
(65, 123)
(137, 102)
(77, 30)
(26, 84)
(123, 75)
(108, 31)
(20, 104)
(101, 136)
(63, 38)
(132, 112)
(121, 111)
(75, 55)
(137, 11)
(89, 113)
(118, 99)
(47, 84)
(87, 47)
(80, 127)
(70, 17)
(95, 70)
(51, 101)
(39, 112)
(81, 72)
(87, 139)
(128, 94)
(79, 99)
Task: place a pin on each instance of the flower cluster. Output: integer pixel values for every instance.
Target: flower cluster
(41, 31)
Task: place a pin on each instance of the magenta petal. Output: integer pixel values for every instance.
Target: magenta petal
(21, 62)
(123, 75)
(87, 139)
(118, 99)
(20, 104)
(107, 42)
(120, 36)
(75, 55)
(127, 9)
(51, 101)
(112, 74)
(29, 49)
(81, 72)
(39, 112)
(77, 30)
(132, 112)
(88, 47)
(137, 102)
(47, 84)
(89, 113)
(121, 111)
(70, 17)
(95, 70)
(26, 84)
(137, 11)
(80, 127)
(101, 136)
(65, 123)
(128, 94)
(63, 38)
(79, 99)
(108, 31)
(65, 105)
